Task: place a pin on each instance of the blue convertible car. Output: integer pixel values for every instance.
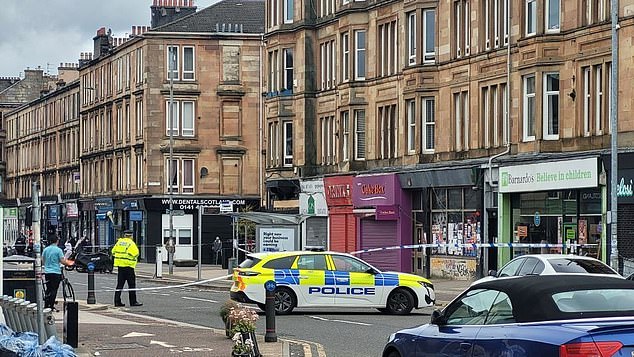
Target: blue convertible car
(559, 316)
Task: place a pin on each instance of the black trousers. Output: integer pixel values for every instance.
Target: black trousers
(125, 274)
(52, 285)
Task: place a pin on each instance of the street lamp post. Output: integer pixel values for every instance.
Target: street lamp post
(614, 131)
(170, 247)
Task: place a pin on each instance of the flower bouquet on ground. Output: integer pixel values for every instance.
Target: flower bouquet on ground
(224, 315)
(243, 322)
(242, 346)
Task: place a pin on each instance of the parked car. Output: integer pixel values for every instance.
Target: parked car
(326, 279)
(551, 264)
(579, 315)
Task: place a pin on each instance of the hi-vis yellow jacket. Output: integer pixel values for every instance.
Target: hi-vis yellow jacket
(125, 253)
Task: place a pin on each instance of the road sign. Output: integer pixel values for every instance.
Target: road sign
(226, 206)
(175, 212)
(270, 285)
(90, 266)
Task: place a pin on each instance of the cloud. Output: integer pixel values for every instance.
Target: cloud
(37, 32)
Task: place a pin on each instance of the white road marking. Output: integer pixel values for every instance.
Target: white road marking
(138, 334)
(341, 321)
(197, 299)
(161, 343)
(161, 294)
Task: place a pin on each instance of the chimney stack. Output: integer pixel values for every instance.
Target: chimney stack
(102, 42)
(167, 11)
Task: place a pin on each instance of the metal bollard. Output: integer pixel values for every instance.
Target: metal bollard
(4, 301)
(24, 315)
(16, 315)
(31, 312)
(49, 323)
(270, 335)
(91, 299)
(12, 323)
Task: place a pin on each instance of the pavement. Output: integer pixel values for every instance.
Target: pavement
(105, 330)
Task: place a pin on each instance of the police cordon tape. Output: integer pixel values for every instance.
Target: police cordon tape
(474, 246)
(193, 283)
(371, 250)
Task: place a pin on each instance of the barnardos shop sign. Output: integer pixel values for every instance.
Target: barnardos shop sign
(555, 175)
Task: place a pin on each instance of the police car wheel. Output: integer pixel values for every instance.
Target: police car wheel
(285, 301)
(400, 302)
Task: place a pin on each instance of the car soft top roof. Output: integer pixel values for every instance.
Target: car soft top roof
(531, 296)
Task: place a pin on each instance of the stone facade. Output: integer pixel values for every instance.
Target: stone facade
(462, 74)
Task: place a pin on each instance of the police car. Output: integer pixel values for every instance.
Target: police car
(324, 279)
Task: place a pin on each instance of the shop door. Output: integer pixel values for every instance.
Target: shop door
(183, 233)
(378, 234)
(419, 253)
(316, 232)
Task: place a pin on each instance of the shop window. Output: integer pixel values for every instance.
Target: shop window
(455, 219)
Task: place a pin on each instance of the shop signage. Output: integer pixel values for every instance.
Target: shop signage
(555, 175)
(191, 205)
(625, 186)
(104, 205)
(522, 231)
(71, 210)
(76, 177)
(274, 239)
(537, 219)
(226, 206)
(374, 191)
(338, 190)
(136, 216)
(11, 212)
(386, 213)
(312, 199)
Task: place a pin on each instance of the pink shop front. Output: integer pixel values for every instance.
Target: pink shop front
(382, 208)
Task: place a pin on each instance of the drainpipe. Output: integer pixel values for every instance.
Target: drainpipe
(507, 118)
(508, 95)
(260, 121)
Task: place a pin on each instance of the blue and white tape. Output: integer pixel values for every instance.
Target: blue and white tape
(474, 246)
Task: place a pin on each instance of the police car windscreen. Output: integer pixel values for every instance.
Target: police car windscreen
(583, 266)
(249, 262)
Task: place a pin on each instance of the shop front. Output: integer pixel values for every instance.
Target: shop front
(625, 198)
(382, 211)
(313, 206)
(342, 224)
(216, 223)
(556, 202)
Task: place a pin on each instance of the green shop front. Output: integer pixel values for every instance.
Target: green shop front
(556, 202)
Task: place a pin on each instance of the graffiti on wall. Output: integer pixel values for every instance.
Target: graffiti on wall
(451, 268)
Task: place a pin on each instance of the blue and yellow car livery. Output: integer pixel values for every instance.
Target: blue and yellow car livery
(324, 279)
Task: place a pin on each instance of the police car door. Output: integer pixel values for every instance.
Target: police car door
(355, 283)
(312, 281)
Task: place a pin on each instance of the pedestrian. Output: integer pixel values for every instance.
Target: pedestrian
(52, 257)
(20, 244)
(217, 248)
(125, 253)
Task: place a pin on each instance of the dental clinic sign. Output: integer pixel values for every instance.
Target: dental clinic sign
(555, 175)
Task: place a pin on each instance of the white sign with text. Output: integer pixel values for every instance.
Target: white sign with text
(556, 175)
(277, 239)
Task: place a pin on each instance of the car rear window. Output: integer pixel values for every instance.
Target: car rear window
(280, 263)
(572, 265)
(606, 300)
(249, 262)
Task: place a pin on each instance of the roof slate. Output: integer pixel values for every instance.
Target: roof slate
(248, 13)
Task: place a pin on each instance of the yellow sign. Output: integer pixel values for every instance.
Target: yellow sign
(19, 293)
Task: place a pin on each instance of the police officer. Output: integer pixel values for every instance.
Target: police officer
(125, 254)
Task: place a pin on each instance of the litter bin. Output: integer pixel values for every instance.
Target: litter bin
(19, 277)
(233, 263)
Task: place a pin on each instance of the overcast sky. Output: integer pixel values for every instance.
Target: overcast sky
(47, 32)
